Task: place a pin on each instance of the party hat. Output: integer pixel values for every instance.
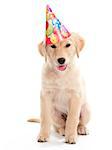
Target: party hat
(55, 31)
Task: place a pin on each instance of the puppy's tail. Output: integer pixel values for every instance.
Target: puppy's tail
(33, 120)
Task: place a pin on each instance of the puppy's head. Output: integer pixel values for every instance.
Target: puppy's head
(61, 55)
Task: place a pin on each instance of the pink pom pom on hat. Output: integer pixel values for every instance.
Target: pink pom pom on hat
(55, 31)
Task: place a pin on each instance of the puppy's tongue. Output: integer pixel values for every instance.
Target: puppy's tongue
(62, 67)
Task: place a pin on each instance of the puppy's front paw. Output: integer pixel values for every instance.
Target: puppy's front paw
(82, 130)
(70, 139)
(43, 137)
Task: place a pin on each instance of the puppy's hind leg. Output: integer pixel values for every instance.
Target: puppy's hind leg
(60, 130)
(59, 121)
(84, 119)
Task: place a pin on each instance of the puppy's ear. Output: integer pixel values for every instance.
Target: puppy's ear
(79, 43)
(42, 50)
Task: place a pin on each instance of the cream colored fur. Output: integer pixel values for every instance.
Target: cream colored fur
(63, 97)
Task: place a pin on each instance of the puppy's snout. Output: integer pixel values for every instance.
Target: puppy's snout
(61, 60)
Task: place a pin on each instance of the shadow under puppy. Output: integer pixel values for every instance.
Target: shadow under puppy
(63, 96)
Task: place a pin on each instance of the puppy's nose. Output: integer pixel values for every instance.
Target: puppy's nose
(61, 60)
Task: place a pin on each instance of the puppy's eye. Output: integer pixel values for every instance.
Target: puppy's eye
(53, 46)
(68, 45)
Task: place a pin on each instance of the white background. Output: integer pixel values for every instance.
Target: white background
(22, 25)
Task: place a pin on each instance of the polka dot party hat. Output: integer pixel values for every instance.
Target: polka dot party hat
(55, 31)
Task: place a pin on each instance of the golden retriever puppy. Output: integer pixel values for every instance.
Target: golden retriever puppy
(63, 97)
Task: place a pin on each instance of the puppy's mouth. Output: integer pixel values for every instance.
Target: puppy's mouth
(61, 67)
